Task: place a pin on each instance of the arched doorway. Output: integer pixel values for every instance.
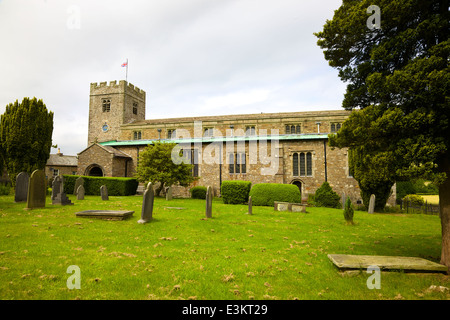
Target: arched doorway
(298, 184)
(94, 171)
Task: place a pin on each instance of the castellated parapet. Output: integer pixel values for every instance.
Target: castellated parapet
(112, 105)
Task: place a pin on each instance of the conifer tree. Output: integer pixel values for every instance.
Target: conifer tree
(25, 136)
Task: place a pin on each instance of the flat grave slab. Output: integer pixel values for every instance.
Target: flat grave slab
(385, 263)
(105, 214)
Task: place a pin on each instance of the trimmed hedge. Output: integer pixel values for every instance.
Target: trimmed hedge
(198, 192)
(265, 194)
(235, 191)
(115, 186)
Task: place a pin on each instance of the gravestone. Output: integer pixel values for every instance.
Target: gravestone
(80, 192)
(250, 209)
(209, 197)
(371, 204)
(104, 192)
(21, 190)
(304, 198)
(169, 193)
(56, 186)
(78, 182)
(58, 195)
(147, 204)
(344, 198)
(36, 190)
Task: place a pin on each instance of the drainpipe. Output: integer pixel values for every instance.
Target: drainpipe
(325, 157)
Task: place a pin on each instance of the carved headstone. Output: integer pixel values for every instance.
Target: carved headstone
(21, 191)
(250, 205)
(209, 198)
(80, 192)
(169, 193)
(147, 204)
(78, 182)
(104, 192)
(36, 190)
(58, 195)
(371, 204)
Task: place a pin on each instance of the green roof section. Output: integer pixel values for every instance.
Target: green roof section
(281, 137)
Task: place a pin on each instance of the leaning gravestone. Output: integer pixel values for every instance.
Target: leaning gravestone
(21, 187)
(371, 204)
(169, 193)
(104, 192)
(209, 197)
(147, 204)
(78, 182)
(250, 205)
(58, 195)
(80, 192)
(36, 190)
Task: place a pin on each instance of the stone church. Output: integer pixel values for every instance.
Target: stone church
(261, 148)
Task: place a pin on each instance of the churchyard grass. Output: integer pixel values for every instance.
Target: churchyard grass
(182, 255)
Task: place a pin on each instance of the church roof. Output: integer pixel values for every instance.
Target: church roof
(312, 136)
(62, 160)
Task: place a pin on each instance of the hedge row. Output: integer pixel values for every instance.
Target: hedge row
(235, 191)
(265, 194)
(198, 192)
(115, 186)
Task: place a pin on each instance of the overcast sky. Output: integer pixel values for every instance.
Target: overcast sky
(192, 57)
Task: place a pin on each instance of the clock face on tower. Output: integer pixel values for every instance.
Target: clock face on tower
(105, 127)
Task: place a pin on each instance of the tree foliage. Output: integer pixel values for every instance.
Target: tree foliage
(397, 86)
(25, 136)
(156, 165)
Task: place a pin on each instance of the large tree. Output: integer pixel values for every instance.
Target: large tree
(163, 163)
(397, 86)
(25, 136)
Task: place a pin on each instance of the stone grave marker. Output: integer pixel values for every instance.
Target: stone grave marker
(80, 192)
(343, 198)
(78, 182)
(371, 204)
(56, 186)
(104, 192)
(169, 193)
(209, 198)
(36, 190)
(58, 195)
(147, 204)
(250, 209)
(21, 190)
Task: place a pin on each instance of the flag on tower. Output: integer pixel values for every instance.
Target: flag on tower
(125, 64)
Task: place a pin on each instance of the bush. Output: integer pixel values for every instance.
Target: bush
(326, 197)
(414, 199)
(115, 186)
(5, 190)
(265, 194)
(235, 191)
(198, 192)
(348, 211)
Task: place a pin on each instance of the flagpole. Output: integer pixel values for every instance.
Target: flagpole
(126, 75)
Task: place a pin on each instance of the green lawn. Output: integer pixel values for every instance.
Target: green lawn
(181, 255)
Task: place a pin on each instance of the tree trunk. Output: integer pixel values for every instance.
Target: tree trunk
(444, 211)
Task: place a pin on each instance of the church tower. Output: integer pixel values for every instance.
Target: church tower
(112, 105)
